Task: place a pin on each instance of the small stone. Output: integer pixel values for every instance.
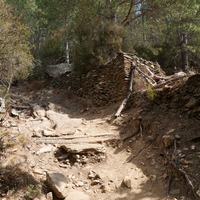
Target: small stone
(49, 133)
(105, 188)
(38, 171)
(192, 102)
(193, 147)
(79, 184)
(96, 182)
(150, 138)
(127, 182)
(38, 111)
(177, 136)
(36, 134)
(14, 112)
(170, 131)
(153, 162)
(153, 177)
(92, 174)
(167, 140)
(77, 195)
(198, 192)
(45, 149)
(49, 196)
(175, 192)
(41, 197)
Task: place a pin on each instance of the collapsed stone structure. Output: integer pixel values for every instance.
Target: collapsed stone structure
(110, 82)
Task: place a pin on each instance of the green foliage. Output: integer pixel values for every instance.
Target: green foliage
(94, 30)
(15, 56)
(151, 94)
(95, 39)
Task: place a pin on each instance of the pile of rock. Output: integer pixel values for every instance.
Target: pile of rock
(110, 82)
(190, 96)
(185, 99)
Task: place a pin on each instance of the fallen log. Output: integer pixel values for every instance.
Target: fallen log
(175, 163)
(72, 137)
(20, 107)
(124, 102)
(77, 140)
(146, 77)
(173, 79)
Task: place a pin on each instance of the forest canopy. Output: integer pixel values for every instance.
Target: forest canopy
(15, 52)
(87, 33)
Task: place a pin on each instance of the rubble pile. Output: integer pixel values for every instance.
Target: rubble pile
(110, 82)
(185, 99)
(190, 96)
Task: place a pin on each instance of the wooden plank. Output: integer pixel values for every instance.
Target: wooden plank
(76, 141)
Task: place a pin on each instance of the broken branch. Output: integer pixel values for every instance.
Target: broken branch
(124, 102)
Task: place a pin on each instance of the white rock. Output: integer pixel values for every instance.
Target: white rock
(38, 171)
(38, 111)
(49, 133)
(127, 182)
(45, 149)
(14, 112)
(56, 71)
(198, 192)
(2, 105)
(77, 195)
(49, 196)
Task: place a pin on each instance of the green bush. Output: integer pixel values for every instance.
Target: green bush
(96, 39)
(15, 55)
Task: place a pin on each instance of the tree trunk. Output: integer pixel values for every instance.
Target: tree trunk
(184, 51)
(67, 52)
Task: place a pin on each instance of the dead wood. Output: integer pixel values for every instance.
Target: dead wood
(20, 107)
(170, 80)
(146, 77)
(134, 156)
(148, 71)
(71, 137)
(77, 140)
(175, 163)
(124, 102)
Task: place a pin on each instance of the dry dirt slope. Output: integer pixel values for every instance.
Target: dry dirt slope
(155, 135)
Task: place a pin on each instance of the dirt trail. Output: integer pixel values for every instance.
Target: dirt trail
(33, 137)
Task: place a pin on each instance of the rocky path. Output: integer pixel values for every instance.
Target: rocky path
(59, 147)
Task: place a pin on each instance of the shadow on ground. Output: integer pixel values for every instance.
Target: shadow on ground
(13, 180)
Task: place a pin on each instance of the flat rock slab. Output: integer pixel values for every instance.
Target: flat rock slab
(62, 121)
(77, 195)
(38, 125)
(58, 183)
(83, 148)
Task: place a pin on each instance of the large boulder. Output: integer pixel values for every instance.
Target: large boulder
(58, 183)
(56, 71)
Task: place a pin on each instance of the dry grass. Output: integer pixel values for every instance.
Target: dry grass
(14, 182)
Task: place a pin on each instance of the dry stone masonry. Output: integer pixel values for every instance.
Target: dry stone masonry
(110, 82)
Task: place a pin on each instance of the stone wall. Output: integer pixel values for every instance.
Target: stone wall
(109, 83)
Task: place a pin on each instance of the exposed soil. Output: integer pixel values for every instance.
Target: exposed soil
(135, 148)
